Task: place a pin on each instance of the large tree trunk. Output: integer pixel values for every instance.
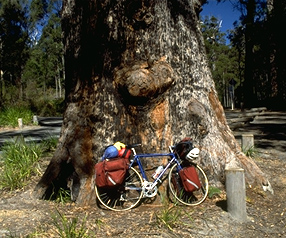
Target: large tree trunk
(136, 72)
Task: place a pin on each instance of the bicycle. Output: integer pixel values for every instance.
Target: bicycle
(137, 186)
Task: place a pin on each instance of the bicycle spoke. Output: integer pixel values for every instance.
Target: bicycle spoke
(123, 197)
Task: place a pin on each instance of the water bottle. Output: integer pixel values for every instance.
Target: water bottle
(157, 172)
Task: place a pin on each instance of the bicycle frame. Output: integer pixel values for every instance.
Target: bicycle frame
(137, 158)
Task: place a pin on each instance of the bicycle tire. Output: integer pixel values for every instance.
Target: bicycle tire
(122, 197)
(180, 194)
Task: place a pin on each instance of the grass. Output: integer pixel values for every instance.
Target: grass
(63, 227)
(9, 116)
(69, 228)
(63, 196)
(50, 143)
(170, 215)
(250, 152)
(17, 164)
(35, 234)
(213, 191)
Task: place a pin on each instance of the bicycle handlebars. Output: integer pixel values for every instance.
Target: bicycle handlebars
(133, 146)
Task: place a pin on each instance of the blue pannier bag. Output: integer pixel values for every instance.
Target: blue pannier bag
(110, 152)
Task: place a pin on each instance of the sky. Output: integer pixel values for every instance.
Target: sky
(222, 11)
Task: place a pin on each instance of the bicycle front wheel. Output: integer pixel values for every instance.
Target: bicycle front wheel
(180, 194)
(122, 197)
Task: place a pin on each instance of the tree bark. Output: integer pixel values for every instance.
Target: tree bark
(136, 72)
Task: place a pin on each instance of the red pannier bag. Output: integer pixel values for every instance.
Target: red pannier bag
(110, 173)
(177, 183)
(190, 179)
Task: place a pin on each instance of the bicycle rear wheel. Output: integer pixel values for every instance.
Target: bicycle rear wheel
(180, 194)
(123, 197)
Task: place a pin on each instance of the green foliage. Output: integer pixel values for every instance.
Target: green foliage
(49, 143)
(14, 39)
(170, 215)
(9, 116)
(31, 54)
(213, 191)
(258, 40)
(223, 60)
(47, 106)
(18, 163)
(44, 68)
(69, 228)
(63, 196)
(63, 227)
(38, 10)
(250, 152)
(253, 58)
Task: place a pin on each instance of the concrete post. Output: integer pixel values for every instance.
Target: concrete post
(247, 141)
(20, 123)
(235, 193)
(35, 120)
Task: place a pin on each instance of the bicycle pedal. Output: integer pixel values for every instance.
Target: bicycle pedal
(122, 198)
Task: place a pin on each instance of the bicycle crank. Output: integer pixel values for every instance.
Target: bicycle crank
(148, 190)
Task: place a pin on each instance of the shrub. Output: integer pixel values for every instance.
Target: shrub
(48, 107)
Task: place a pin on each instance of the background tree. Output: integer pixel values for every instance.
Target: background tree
(223, 59)
(31, 51)
(136, 71)
(257, 38)
(13, 44)
(44, 69)
(275, 78)
(37, 18)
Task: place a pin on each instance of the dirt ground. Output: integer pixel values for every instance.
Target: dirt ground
(21, 215)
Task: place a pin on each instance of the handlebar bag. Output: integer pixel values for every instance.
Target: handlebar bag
(184, 147)
(110, 173)
(190, 179)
